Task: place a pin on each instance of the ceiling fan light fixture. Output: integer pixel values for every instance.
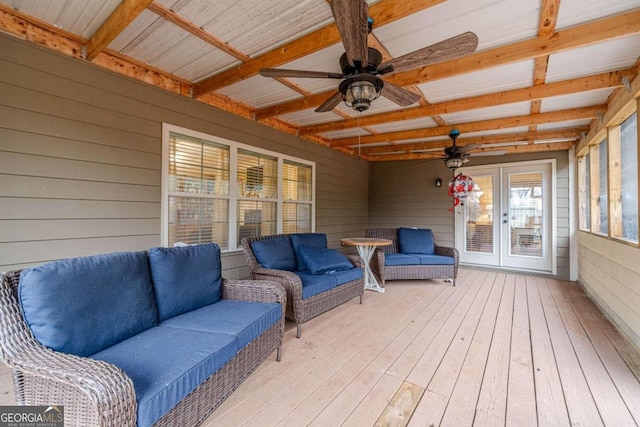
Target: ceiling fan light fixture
(454, 163)
(358, 91)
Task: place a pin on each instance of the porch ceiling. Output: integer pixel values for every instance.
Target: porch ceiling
(544, 70)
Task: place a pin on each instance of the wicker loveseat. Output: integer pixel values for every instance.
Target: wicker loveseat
(136, 338)
(413, 254)
(330, 280)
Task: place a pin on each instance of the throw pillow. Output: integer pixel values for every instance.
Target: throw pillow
(323, 260)
(275, 253)
(416, 241)
(313, 240)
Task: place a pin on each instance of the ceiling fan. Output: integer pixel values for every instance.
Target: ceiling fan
(361, 65)
(455, 155)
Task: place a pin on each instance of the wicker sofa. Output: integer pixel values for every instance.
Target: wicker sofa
(420, 258)
(325, 283)
(136, 338)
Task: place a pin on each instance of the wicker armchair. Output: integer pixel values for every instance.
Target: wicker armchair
(412, 271)
(298, 309)
(96, 393)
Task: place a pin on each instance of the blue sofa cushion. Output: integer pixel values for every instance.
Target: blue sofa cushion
(83, 305)
(323, 260)
(314, 284)
(416, 241)
(185, 278)
(344, 276)
(400, 259)
(243, 319)
(276, 253)
(166, 364)
(312, 240)
(435, 259)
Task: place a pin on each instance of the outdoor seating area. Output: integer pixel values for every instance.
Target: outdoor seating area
(320, 212)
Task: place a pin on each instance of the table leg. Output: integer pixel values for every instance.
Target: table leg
(370, 281)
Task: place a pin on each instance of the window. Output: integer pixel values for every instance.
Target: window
(599, 188)
(623, 175)
(216, 190)
(584, 195)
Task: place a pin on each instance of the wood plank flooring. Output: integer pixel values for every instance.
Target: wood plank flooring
(497, 349)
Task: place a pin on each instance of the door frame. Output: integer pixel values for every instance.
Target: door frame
(458, 226)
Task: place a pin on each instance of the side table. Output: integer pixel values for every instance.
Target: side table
(366, 246)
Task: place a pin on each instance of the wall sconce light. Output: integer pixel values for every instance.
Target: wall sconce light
(438, 182)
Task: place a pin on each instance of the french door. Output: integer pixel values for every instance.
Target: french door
(507, 221)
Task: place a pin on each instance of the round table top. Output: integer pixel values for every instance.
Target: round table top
(365, 241)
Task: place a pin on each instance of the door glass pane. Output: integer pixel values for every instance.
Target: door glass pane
(479, 216)
(525, 214)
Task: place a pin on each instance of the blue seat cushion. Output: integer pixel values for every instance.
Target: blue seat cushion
(314, 284)
(83, 305)
(243, 319)
(416, 241)
(401, 259)
(275, 253)
(185, 278)
(166, 364)
(312, 240)
(323, 260)
(435, 259)
(344, 276)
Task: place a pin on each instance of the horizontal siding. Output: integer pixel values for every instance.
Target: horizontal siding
(404, 194)
(80, 159)
(609, 271)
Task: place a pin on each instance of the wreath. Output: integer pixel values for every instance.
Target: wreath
(459, 188)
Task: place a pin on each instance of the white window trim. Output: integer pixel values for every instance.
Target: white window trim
(234, 146)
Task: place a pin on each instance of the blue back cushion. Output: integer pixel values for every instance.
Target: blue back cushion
(185, 278)
(416, 241)
(312, 240)
(83, 305)
(276, 253)
(323, 260)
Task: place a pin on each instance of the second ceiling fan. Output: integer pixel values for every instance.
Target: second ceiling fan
(362, 65)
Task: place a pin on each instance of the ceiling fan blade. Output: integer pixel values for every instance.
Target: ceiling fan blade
(400, 96)
(280, 72)
(452, 48)
(466, 148)
(351, 19)
(330, 103)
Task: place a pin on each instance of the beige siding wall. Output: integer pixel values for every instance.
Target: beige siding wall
(404, 194)
(610, 272)
(80, 155)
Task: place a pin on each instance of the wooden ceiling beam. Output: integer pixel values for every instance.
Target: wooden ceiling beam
(564, 87)
(573, 133)
(621, 25)
(119, 19)
(483, 125)
(383, 12)
(516, 149)
(197, 31)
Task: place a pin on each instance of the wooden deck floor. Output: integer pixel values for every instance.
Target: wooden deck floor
(497, 349)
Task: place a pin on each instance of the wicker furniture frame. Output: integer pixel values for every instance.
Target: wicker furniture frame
(301, 310)
(96, 393)
(404, 272)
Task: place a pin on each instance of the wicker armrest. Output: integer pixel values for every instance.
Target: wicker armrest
(101, 388)
(356, 260)
(446, 251)
(288, 279)
(253, 290)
